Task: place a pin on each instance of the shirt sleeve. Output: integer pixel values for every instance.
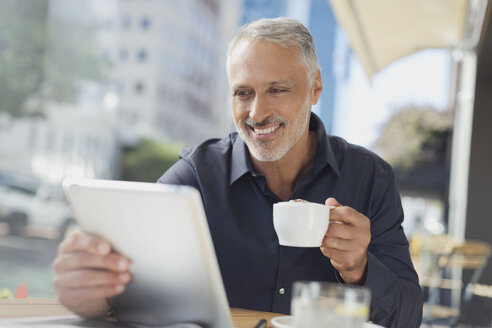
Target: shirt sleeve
(396, 294)
(181, 173)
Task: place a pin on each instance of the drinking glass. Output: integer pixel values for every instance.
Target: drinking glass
(322, 304)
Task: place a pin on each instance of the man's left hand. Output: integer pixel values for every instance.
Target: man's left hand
(346, 241)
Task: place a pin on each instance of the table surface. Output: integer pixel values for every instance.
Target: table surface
(38, 307)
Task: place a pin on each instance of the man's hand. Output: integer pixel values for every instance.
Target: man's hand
(346, 242)
(88, 273)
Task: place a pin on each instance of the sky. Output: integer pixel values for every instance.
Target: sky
(363, 106)
(419, 79)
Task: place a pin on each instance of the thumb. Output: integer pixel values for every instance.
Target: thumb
(332, 202)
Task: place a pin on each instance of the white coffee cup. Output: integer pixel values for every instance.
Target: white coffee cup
(300, 223)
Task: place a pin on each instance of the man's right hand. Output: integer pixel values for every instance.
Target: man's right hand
(88, 273)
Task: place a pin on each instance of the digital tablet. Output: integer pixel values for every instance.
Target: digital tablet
(164, 231)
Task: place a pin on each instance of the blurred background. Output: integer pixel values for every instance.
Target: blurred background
(114, 89)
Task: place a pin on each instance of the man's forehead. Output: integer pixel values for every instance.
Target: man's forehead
(268, 62)
(262, 46)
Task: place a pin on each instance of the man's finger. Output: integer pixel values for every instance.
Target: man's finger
(333, 253)
(341, 260)
(348, 215)
(77, 260)
(338, 243)
(80, 241)
(341, 230)
(332, 202)
(90, 278)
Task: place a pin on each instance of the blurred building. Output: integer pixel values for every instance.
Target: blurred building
(331, 45)
(163, 77)
(169, 67)
(72, 138)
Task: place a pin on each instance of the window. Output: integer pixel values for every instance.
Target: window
(139, 87)
(142, 55)
(145, 23)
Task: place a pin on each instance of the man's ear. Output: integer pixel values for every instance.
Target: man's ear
(316, 88)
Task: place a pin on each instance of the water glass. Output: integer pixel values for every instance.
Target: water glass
(322, 304)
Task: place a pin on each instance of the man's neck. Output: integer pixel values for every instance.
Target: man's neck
(282, 176)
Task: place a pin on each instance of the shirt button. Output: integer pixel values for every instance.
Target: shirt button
(254, 175)
(281, 291)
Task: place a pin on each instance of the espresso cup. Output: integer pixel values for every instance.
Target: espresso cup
(300, 223)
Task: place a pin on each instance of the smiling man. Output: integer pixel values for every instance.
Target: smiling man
(272, 106)
(282, 152)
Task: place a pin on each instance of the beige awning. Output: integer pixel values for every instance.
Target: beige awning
(382, 31)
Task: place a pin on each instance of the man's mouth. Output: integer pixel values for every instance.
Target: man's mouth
(267, 130)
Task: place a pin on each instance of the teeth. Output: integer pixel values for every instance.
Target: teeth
(266, 131)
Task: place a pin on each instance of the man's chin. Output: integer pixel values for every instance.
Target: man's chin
(263, 155)
(263, 151)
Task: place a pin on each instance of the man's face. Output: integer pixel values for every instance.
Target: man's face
(270, 97)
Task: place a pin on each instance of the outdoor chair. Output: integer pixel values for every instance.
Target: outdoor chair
(471, 256)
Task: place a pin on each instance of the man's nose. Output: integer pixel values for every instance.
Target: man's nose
(259, 110)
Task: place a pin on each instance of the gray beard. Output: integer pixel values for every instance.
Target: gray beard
(260, 154)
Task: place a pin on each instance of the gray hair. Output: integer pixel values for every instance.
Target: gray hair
(284, 32)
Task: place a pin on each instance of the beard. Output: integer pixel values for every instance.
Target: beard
(276, 148)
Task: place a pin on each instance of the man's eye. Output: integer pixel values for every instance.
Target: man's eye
(242, 93)
(276, 90)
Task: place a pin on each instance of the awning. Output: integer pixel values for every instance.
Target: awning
(382, 31)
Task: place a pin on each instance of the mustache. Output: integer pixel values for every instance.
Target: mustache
(267, 121)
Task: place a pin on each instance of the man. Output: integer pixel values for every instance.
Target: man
(282, 152)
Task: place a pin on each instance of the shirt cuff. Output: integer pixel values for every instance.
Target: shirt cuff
(383, 284)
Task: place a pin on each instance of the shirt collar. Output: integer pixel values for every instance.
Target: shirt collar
(324, 152)
(241, 161)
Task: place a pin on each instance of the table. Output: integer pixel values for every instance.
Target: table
(37, 307)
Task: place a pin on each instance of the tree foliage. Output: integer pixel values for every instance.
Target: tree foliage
(22, 52)
(45, 53)
(413, 136)
(72, 55)
(148, 161)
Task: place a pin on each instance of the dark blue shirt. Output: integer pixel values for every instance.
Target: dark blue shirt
(257, 272)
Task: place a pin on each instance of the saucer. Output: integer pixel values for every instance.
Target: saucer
(286, 321)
